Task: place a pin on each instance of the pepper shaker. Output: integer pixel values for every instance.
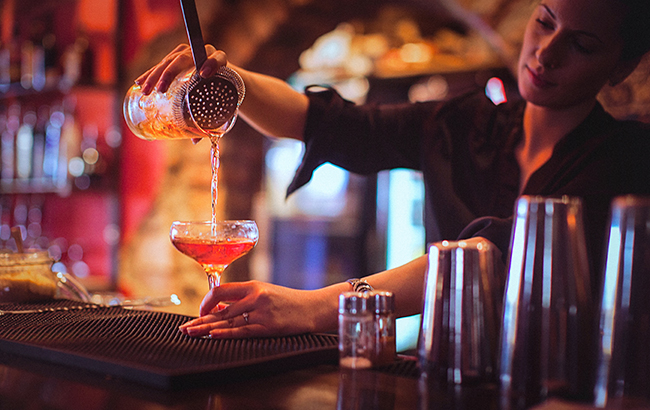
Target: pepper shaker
(384, 312)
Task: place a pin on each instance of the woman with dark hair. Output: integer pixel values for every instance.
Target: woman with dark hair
(476, 157)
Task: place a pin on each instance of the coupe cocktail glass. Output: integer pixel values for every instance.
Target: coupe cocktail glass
(214, 244)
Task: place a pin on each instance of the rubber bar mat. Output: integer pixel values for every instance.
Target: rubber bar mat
(146, 346)
(403, 367)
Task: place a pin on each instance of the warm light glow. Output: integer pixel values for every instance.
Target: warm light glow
(98, 16)
(76, 166)
(154, 20)
(415, 53)
(329, 50)
(90, 156)
(435, 88)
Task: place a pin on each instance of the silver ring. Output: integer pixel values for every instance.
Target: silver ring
(245, 315)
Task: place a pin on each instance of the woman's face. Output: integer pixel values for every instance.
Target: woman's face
(571, 49)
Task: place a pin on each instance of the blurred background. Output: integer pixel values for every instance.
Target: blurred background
(79, 184)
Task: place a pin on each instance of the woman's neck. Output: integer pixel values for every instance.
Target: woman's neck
(544, 126)
(543, 129)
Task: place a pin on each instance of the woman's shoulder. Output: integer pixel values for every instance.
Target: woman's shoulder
(633, 130)
(477, 110)
(629, 144)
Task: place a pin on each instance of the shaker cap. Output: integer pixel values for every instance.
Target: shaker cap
(355, 303)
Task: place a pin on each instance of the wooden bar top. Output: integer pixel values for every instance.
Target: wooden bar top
(27, 384)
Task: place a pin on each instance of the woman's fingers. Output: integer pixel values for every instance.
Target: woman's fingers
(162, 74)
(140, 80)
(215, 314)
(254, 309)
(226, 293)
(231, 326)
(196, 326)
(151, 77)
(216, 59)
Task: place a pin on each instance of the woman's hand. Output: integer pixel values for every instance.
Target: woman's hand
(258, 309)
(271, 106)
(161, 75)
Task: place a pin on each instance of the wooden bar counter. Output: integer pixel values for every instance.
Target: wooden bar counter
(68, 356)
(26, 384)
(34, 385)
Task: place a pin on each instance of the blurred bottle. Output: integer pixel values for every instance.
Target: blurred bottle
(71, 67)
(8, 144)
(25, 146)
(14, 57)
(51, 161)
(3, 131)
(38, 67)
(89, 151)
(77, 63)
(19, 212)
(33, 223)
(38, 151)
(70, 161)
(26, 60)
(84, 166)
(44, 58)
(5, 219)
(51, 59)
(5, 68)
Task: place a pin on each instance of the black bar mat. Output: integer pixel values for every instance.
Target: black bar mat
(404, 366)
(146, 346)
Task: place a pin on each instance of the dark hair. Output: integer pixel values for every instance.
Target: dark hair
(635, 28)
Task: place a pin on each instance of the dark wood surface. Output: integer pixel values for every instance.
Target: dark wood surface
(26, 384)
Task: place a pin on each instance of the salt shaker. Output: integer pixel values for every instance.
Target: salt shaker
(356, 330)
(384, 334)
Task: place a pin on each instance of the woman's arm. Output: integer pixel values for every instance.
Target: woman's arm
(272, 107)
(274, 310)
(406, 282)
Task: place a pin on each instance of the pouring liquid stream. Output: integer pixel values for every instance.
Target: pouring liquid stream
(215, 160)
(214, 271)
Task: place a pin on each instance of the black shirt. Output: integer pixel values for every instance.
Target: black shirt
(465, 149)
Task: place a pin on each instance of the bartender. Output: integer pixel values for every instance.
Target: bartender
(476, 157)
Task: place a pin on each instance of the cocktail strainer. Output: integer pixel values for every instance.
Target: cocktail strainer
(210, 102)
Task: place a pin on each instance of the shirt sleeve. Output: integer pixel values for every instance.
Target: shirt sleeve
(495, 230)
(363, 139)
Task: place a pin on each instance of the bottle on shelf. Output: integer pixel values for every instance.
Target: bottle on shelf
(5, 68)
(55, 157)
(38, 150)
(26, 60)
(25, 146)
(12, 124)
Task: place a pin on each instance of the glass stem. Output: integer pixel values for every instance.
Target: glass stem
(214, 273)
(214, 280)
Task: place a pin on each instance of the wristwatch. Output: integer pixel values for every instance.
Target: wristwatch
(359, 285)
